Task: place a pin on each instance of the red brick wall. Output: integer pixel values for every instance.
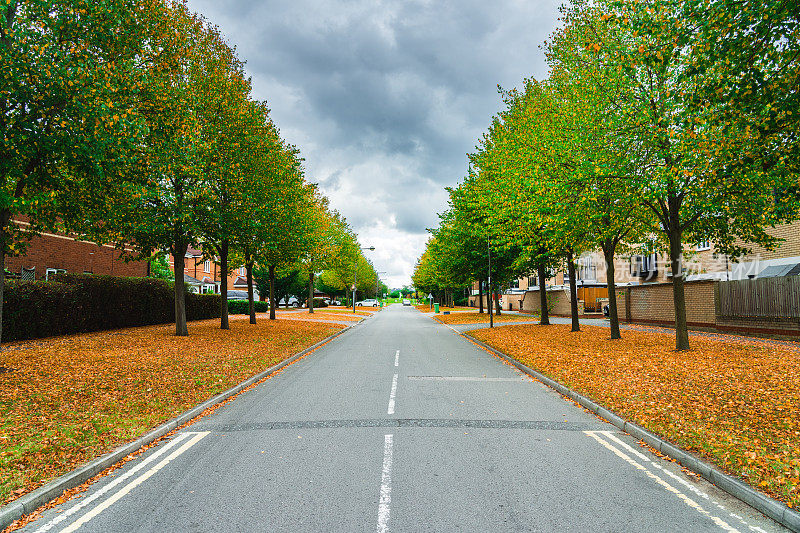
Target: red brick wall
(57, 251)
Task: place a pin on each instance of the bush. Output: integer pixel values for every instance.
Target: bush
(79, 303)
(319, 302)
(240, 307)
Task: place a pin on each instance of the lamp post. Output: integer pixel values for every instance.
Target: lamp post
(491, 291)
(355, 277)
(377, 281)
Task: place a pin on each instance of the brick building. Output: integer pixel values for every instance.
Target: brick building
(701, 262)
(49, 253)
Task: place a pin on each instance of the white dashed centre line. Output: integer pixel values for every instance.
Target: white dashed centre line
(397, 358)
(385, 504)
(390, 410)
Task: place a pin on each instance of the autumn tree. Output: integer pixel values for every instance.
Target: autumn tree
(71, 75)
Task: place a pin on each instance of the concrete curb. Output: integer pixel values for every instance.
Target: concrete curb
(33, 500)
(736, 488)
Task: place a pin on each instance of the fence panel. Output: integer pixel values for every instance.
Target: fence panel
(760, 298)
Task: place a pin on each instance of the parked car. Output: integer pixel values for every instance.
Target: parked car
(369, 302)
(293, 302)
(406, 301)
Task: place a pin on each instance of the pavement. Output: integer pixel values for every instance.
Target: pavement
(401, 424)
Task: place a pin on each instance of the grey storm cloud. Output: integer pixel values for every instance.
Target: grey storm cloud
(385, 98)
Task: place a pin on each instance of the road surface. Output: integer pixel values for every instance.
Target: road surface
(400, 424)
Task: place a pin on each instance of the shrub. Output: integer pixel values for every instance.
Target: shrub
(78, 303)
(319, 302)
(240, 307)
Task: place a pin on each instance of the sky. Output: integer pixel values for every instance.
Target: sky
(384, 99)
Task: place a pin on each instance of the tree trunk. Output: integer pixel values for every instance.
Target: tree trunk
(5, 218)
(678, 296)
(480, 296)
(573, 292)
(608, 253)
(179, 252)
(272, 292)
(310, 292)
(496, 296)
(544, 317)
(251, 306)
(223, 286)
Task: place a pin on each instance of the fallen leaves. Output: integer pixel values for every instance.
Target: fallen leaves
(737, 404)
(478, 318)
(70, 399)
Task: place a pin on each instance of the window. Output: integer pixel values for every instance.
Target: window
(242, 271)
(52, 272)
(531, 281)
(586, 268)
(514, 284)
(206, 266)
(703, 245)
(566, 277)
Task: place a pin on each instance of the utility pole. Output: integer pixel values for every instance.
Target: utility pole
(490, 291)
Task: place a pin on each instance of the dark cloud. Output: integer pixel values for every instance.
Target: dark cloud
(384, 98)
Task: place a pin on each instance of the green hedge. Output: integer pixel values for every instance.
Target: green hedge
(319, 302)
(240, 307)
(79, 303)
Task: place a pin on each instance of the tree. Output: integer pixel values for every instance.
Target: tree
(68, 114)
(705, 170)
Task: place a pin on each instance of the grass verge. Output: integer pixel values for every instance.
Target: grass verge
(734, 403)
(66, 400)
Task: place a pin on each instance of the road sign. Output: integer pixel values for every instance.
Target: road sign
(430, 296)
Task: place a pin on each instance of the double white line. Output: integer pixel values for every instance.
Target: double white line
(179, 438)
(607, 437)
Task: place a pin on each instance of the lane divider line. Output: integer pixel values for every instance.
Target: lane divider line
(397, 358)
(390, 410)
(135, 483)
(686, 499)
(83, 503)
(385, 502)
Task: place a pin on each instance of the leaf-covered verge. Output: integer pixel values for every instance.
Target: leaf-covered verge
(735, 403)
(66, 400)
(478, 318)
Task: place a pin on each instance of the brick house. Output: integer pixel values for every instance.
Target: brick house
(205, 275)
(49, 253)
(701, 262)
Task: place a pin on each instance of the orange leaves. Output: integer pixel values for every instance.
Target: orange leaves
(479, 318)
(732, 401)
(69, 399)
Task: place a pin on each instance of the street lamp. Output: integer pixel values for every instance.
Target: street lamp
(355, 277)
(377, 281)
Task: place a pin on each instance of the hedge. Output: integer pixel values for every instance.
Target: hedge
(79, 303)
(240, 307)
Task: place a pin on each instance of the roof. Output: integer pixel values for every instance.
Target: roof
(190, 280)
(194, 252)
(241, 281)
(779, 271)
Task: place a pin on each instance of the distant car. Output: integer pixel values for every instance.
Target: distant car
(370, 302)
(406, 301)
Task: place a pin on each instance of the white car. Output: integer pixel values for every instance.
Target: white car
(406, 301)
(371, 302)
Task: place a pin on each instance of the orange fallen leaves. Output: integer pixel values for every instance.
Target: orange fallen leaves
(737, 404)
(69, 399)
(478, 318)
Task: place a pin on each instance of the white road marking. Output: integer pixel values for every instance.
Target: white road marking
(384, 506)
(687, 500)
(464, 378)
(397, 358)
(390, 410)
(133, 484)
(72, 510)
(696, 490)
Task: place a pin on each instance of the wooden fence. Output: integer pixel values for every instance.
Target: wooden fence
(760, 298)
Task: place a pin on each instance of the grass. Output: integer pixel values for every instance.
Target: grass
(478, 318)
(734, 402)
(70, 399)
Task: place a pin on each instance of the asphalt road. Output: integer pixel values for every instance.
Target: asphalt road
(400, 424)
